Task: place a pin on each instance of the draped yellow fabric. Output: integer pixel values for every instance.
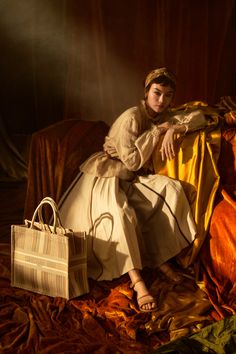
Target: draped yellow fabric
(195, 165)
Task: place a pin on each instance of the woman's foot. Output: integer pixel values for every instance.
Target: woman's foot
(145, 300)
(171, 274)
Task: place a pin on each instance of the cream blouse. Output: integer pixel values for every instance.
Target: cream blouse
(132, 139)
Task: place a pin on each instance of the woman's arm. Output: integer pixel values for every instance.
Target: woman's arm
(135, 149)
(130, 143)
(181, 123)
(167, 148)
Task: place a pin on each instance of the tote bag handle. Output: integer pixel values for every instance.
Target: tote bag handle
(56, 216)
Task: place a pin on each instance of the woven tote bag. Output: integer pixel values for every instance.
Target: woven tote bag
(48, 259)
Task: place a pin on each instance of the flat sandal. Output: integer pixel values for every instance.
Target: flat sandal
(144, 299)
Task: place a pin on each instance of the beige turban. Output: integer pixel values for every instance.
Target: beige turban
(154, 74)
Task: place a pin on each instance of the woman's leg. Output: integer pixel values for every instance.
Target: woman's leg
(164, 218)
(145, 301)
(170, 273)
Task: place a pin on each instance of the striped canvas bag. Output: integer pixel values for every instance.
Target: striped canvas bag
(48, 259)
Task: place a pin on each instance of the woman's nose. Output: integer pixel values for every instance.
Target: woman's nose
(161, 98)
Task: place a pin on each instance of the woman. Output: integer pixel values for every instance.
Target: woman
(134, 219)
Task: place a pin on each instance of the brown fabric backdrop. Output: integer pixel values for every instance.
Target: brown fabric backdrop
(86, 59)
(115, 43)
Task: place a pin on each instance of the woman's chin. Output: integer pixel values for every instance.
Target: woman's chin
(155, 110)
(159, 110)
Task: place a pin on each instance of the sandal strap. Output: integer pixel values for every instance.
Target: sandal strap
(132, 285)
(148, 296)
(146, 299)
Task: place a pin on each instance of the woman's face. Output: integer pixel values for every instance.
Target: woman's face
(159, 98)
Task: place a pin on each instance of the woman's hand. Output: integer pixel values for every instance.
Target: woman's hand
(170, 130)
(167, 147)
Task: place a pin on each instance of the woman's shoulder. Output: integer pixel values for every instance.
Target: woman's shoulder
(133, 113)
(130, 112)
(126, 118)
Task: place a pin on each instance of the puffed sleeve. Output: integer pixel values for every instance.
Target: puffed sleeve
(134, 149)
(192, 121)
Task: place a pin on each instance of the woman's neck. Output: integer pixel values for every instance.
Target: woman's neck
(154, 115)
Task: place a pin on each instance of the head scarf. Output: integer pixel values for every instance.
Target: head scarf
(154, 74)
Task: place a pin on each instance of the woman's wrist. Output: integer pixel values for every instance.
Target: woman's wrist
(156, 131)
(177, 128)
(172, 128)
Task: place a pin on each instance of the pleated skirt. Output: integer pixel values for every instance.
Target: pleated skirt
(129, 225)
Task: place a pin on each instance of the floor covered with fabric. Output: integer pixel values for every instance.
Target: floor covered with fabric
(106, 320)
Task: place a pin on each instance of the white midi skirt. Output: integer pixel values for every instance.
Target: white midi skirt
(129, 225)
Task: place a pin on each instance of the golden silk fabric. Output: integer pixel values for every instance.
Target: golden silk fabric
(195, 165)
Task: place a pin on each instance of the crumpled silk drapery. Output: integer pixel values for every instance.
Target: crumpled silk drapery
(217, 338)
(106, 320)
(218, 262)
(195, 165)
(217, 256)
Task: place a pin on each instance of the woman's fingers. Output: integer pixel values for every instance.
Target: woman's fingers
(170, 152)
(167, 150)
